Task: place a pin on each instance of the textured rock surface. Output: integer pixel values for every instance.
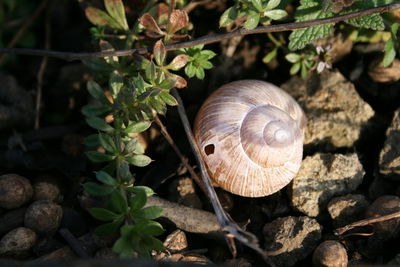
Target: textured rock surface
(43, 216)
(17, 243)
(335, 111)
(347, 209)
(330, 253)
(290, 239)
(385, 205)
(15, 191)
(389, 160)
(322, 177)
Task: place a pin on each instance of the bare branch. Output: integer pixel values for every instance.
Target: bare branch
(207, 39)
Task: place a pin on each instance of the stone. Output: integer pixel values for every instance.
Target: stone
(347, 209)
(290, 239)
(322, 177)
(330, 253)
(17, 243)
(43, 216)
(389, 159)
(15, 191)
(336, 113)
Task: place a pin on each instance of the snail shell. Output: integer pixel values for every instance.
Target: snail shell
(250, 134)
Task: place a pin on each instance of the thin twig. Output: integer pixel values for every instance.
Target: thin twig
(368, 221)
(74, 243)
(207, 39)
(42, 69)
(21, 32)
(227, 224)
(171, 142)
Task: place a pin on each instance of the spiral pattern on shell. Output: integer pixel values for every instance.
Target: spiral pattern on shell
(250, 134)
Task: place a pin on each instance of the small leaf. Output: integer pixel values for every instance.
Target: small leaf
(103, 214)
(99, 17)
(252, 20)
(154, 243)
(99, 157)
(105, 178)
(270, 56)
(118, 201)
(177, 20)
(150, 24)
(133, 146)
(96, 91)
(295, 68)
(116, 83)
(107, 142)
(168, 99)
(228, 17)
(200, 73)
(293, 57)
(150, 213)
(139, 160)
(390, 53)
(276, 14)
(138, 201)
(99, 124)
(272, 4)
(257, 4)
(92, 140)
(109, 228)
(178, 62)
(95, 110)
(97, 190)
(159, 52)
(137, 127)
(180, 82)
(149, 192)
(116, 9)
(153, 229)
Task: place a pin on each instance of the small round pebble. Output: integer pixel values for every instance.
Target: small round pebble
(17, 243)
(15, 191)
(43, 216)
(46, 188)
(330, 254)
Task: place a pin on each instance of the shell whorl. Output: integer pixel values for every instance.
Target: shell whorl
(250, 134)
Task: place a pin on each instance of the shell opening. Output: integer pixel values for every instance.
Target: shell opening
(209, 149)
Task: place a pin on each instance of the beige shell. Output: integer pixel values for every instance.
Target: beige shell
(250, 134)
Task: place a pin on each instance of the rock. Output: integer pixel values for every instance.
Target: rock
(290, 239)
(347, 209)
(323, 176)
(389, 159)
(17, 243)
(335, 112)
(43, 216)
(176, 241)
(330, 254)
(46, 188)
(385, 205)
(15, 191)
(381, 74)
(11, 220)
(182, 191)
(16, 104)
(395, 261)
(238, 262)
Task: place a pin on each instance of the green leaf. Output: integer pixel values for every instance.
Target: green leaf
(373, 21)
(309, 10)
(270, 56)
(168, 99)
(116, 83)
(252, 20)
(293, 57)
(97, 190)
(105, 178)
(154, 243)
(190, 70)
(276, 14)
(92, 140)
(99, 124)
(159, 52)
(137, 127)
(118, 202)
(96, 91)
(200, 73)
(101, 18)
(116, 9)
(109, 228)
(107, 142)
(133, 146)
(99, 157)
(228, 17)
(103, 214)
(295, 68)
(390, 53)
(139, 160)
(138, 201)
(135, 189)
(149, 213)
(257, 4)
(158, 105)
(95, 110)
(152, 228)
(272, 4)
